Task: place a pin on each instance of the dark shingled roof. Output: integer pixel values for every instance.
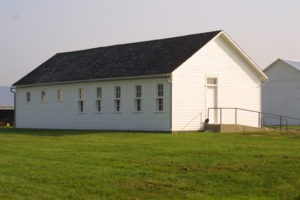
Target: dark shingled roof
(127, 60)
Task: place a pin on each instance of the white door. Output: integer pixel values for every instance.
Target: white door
(211, 102)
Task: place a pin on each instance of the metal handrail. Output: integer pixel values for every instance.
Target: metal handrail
(286, 122)
(260, 114)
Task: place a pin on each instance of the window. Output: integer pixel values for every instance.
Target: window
(117, 101)
(80, 106)
(81, 94)
(98, 105)
(99, 93)
(160, 98)
(138, 100)
(80, 100)
(138, 91)
(59, 95)
(118, 92)
(160, 90)
(160, 104)
(138, 105)
(43, 96)
(27, 97)
(117, 105)
(98, 99)
(212, 81)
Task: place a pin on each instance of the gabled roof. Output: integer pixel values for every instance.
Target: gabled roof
(292, 63)
(148, 58)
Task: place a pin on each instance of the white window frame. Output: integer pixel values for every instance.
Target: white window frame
(117, 100)
(117, 105)
(98, 105)
(99, 93)
(43, 96)
(80, 100)
(98, 99)
(138, 105)
(81, 94)
(160, 105)
(118, 92)
(160, 97)
(160, 91)
(211, 81)
(138, 98)
(60, 95)
(80, 106)
(28, 97)
(138, 91)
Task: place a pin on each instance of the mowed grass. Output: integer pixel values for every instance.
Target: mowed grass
(53, 164)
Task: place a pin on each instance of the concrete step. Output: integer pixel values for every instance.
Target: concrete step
(229, 128)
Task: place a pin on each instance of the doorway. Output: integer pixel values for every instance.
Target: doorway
(212, 99)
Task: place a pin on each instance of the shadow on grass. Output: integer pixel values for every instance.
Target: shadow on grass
(59, 132)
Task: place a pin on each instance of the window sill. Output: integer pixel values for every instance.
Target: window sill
(99, 113)
(81, 113)
(116, 112)
(160, 112)
(211, 85)
(138, 112)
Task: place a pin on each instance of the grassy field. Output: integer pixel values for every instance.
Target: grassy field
(45, 164)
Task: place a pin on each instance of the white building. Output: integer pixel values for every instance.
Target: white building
(281, 93)
(159, 85)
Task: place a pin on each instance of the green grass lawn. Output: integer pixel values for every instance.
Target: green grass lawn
(52, 164)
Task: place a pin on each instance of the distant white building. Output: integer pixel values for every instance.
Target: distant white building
(281, 93)
(159, 85)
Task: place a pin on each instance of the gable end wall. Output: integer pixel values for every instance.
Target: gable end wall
(238, 86)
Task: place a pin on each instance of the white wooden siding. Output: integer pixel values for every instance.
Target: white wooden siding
(281, 94)
(238, 86)
(64, 115)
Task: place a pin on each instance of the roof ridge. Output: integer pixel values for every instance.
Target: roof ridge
(293, 60)
(293, 63)
(143, 41)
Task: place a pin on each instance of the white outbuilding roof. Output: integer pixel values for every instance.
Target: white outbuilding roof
(293, 63)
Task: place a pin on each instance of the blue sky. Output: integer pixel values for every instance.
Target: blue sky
(33, 30)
